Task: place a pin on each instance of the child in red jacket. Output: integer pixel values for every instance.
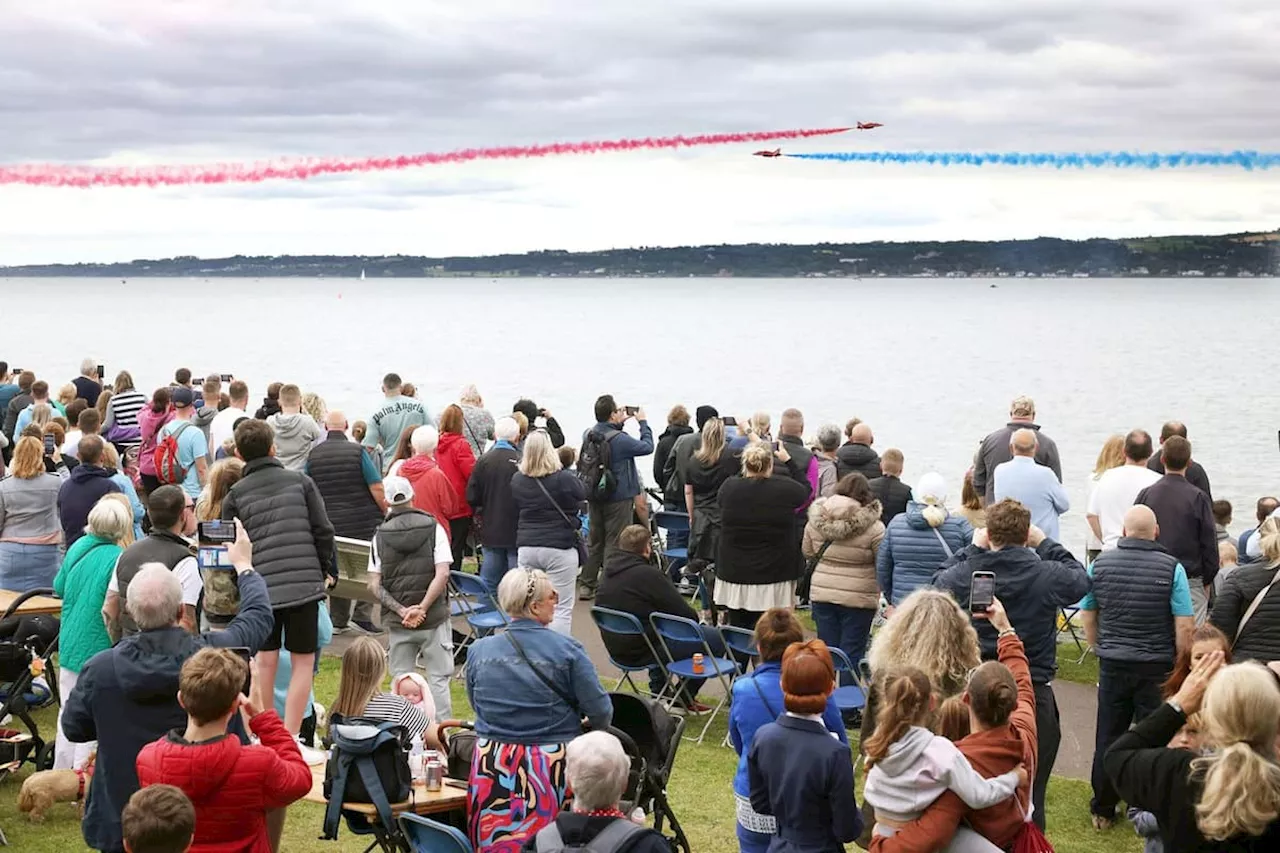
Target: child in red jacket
(232, 786)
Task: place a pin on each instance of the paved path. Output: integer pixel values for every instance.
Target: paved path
(1077, 703)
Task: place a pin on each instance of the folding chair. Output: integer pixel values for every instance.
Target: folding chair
(477, 608)
(622, 624)
(427, 836)
(1067, 626)
(678, 629)
(673, 522)
(740, 642)
(852, 697)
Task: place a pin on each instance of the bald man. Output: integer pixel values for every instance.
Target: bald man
(1137, 617)
(856, 454)
(1034, 486)
(350, 485)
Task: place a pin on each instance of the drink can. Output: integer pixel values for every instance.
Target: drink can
(697, 663)
(435, 774)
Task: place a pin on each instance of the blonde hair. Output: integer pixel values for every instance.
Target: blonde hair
(521, 588)
(28, 458)
(1269, 539)
(540, 458)
(110, 456)
(712, 442)
(313, 404)
(758, 425)
(224, 474)
(1111, 455)
(931, 632)
(470, 396)
(757, 461)
(1241, 793)
(364, 665)
(41, 414)
(112, 519)
(67, 393)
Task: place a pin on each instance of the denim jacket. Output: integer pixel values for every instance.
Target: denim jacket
(748, 713)
(512, 703)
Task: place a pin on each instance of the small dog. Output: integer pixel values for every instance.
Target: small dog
(42, 790)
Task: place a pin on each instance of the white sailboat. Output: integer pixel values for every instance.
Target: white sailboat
(362, 274)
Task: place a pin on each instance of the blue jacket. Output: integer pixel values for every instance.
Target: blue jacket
(910, 552)
(127, 488)
(623, 451)
(803, 776)
(754, 708)
(513, 705)
(127, 697)
(77, 495)
(1034, 586)
(541, 524)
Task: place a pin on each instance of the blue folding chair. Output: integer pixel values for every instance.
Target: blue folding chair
(678, 629)
(427, 836)
(740, 642)
(477, 608)
(852, 697)
(622, 624)
(673, 522)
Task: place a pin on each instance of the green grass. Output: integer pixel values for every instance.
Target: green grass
(700, 793)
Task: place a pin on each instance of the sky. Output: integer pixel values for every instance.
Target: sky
(111, 82)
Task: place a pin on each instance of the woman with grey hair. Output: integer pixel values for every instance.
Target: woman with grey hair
(477, 421)
(531, 689)
(827, 445)
(598, 769)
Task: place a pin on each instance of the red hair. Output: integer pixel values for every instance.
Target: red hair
(808, 677)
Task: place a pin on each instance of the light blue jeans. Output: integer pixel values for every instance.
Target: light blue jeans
(28, 567)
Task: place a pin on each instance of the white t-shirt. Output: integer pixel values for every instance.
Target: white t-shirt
(1112, 497)
(71, 447)
(188, 574)
(443, 553)
(222, 427)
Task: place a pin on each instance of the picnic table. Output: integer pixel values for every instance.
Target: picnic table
(35, 606)
(423, 802)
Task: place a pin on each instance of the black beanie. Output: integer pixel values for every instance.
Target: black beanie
(704, 414)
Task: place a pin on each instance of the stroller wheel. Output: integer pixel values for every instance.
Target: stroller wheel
(44, 758)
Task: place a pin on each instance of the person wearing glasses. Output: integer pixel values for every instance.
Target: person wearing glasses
(531, 689)
(173, 521)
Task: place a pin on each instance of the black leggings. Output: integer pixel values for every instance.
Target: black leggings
(458, 530)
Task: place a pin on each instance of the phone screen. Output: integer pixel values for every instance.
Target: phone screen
(216, 532)
(631, 410)
(50, 443)
(213, 557)
(244, 654)
(102, 372)
(226, 377)
(730, 421)
(982, 592)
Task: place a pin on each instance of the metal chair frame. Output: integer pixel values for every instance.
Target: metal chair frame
(681, 629)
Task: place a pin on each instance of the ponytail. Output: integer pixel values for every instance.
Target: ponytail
(1241, 793)
(934, 515)
(904, 703)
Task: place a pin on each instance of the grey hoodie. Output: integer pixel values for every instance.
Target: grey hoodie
(295, 435)
(204, 416)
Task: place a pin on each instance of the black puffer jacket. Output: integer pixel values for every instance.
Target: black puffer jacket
(489, 494)
(283, 513)
(1260, 639)
(857, 457)
(542, 525)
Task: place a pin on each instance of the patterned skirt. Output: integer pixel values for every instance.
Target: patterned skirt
(515, 791)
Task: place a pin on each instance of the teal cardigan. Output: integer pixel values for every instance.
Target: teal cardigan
(82, 585)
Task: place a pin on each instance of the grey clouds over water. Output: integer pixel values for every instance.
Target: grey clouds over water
(152, 80)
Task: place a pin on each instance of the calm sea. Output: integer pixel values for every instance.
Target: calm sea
(931, 364)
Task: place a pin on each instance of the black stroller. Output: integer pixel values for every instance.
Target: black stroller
(27, 645)
(650, 736)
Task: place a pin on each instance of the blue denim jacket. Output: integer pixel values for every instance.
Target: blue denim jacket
(748, 713)
(513, 705)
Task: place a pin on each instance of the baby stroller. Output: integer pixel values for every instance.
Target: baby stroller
(27, 645)
(650, 736)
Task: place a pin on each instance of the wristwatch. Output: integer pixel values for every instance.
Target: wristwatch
(1008, 632)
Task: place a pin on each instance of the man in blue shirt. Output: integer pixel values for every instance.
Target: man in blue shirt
(1137, 616)
(608, 517)
(1031, 484)
(193, 447)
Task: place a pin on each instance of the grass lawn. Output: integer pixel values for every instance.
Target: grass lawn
(700, 793)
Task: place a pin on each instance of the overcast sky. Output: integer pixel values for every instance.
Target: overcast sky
(145, 81)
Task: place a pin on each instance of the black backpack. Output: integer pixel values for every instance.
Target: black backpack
(368, 765)
(594, 465)
(614, 837)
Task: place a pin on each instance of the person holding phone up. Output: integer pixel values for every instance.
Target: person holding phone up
(1035, 577)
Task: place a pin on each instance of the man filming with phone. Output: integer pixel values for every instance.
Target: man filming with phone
(1035, 577)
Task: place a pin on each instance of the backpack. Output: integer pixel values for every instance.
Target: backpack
(594, 465)
(169, 470)
(367, 765)
(611, 839)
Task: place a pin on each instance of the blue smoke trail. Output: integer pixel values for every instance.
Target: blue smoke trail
(1247, 160)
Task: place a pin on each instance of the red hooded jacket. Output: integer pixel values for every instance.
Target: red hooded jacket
(457, 460)
(231, 785)
(432, 492)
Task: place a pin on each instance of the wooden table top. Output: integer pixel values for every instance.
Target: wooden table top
(34, 606)
(423, 802)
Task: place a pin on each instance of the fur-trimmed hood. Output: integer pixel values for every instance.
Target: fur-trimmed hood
(838, 517)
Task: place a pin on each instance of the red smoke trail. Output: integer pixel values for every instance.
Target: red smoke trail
(83, 177)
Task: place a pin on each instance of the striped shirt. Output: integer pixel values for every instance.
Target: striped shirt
(122, 410)
(397, 709)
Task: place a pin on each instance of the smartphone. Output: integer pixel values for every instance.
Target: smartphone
(213, 537)
(197, 382)
(226, 377)
(982, 591)
(102, 372)
(631, 410)
(244, 654)
(729, 420)
(50, 443)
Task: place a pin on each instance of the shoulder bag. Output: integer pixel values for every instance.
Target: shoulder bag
(579, 544)
(1253, 607)
(806, 580)
(571, 701)
(943, 542)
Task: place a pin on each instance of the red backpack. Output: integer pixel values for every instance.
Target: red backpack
(168, 469)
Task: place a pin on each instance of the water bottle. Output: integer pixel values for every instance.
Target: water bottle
(415, 757)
